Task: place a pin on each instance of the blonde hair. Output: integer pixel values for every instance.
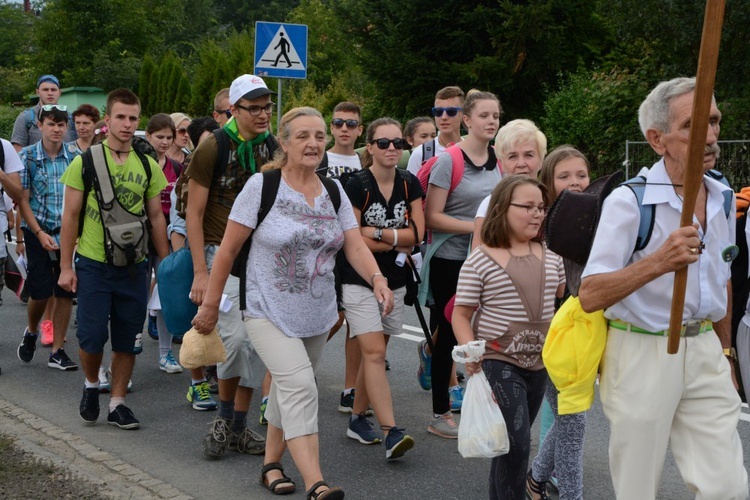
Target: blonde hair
(516, 131)
(280, 158)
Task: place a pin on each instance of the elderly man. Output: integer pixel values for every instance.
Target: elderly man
(652, 398)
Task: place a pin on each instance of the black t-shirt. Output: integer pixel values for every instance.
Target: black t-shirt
(387, 215)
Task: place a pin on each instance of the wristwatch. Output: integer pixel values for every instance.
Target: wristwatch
(378, 234)
(730, 353)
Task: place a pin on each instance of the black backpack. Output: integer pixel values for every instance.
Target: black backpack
(271, 182)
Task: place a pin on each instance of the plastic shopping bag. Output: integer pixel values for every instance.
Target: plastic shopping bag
(482, 432)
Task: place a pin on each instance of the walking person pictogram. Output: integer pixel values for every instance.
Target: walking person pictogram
(284, 47)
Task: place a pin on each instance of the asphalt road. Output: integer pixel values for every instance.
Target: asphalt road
(168, 444)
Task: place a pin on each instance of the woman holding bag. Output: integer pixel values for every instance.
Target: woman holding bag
(513, 280)
(291, 300)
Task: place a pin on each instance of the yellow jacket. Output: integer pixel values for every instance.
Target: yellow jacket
(572, 352)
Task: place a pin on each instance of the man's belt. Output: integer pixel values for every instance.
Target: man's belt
(689, 329)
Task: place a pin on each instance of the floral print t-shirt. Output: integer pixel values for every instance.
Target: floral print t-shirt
(290, 268)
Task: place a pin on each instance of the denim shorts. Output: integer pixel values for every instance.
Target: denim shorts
(43, 270)
(110, 299)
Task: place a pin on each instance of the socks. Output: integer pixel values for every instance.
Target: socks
(115, 402)
(348, 391)
(165, 338)
(196, 382)
(90, 385)
(226, 409)
(239, 421)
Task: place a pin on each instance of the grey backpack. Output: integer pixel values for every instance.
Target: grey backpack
(125, 233)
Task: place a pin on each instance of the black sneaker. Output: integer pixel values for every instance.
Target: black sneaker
(397, 443)
(347, 403)
(89, 407)
(61, 361)
(28, 346)
(123, 417)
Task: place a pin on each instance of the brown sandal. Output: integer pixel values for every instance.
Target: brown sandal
(535, 490)
(283, 486)
(334, 493)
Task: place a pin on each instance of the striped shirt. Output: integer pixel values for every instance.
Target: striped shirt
(41, 178)
(485, 285)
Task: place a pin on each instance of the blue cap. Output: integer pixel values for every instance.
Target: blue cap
(48, 78)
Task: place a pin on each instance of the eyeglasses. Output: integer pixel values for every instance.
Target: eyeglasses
(438, 112)
(182, 130)
(227, 112)
(532, 209)
(255, 110)
(340, 122)
(50, 107)
(384, 143)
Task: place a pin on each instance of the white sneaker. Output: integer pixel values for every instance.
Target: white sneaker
(168, 364)
(103, 380)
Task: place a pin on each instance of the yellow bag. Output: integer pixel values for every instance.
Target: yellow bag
(201, 350)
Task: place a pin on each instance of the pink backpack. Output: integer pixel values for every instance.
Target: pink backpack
(457, 158)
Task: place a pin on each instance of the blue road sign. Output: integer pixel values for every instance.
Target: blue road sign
(280, 50)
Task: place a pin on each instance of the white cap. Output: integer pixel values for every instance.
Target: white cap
(248, 86)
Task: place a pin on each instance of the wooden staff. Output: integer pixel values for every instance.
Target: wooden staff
(704, 89)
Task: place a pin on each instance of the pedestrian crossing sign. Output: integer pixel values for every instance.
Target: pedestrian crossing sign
(280, 50)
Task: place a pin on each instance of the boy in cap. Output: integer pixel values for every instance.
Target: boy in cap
(25, 129)
(251, 146)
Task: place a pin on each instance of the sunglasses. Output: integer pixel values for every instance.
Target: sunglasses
(438, 112)
(340, 122)
(227, 112)
(182, 130)
(255, 110)
(50, 107)
(398, 143)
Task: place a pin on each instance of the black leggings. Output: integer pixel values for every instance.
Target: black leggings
(519, 393)
(443, 282)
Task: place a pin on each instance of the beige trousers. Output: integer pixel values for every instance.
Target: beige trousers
(293, 400)
(686, 400)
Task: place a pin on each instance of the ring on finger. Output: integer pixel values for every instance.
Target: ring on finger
(693, 250)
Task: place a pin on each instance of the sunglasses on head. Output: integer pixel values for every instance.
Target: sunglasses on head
(340, 122)
(384, 143)
(50, 107)
(438, 112)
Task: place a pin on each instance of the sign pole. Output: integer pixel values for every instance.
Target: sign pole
(278, 109)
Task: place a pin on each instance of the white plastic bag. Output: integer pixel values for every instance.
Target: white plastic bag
(482, 432)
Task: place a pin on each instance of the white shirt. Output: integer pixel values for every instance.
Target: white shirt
(415, 160)
(612, 250)
(483, 207)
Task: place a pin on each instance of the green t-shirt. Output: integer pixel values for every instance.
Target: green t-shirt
(130, 183)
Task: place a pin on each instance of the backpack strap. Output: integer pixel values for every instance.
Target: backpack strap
(457, 160)
(333, 191)
(2, 156)
(648, 215)
(322, 169)
(222, 154)
(428, 150)
(30, 118)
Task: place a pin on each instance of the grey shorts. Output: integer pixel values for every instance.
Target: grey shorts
(242, 360)
(362, 311)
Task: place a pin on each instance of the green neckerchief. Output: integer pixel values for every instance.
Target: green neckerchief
(244, 147)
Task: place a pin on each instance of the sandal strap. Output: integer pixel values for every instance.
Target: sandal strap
(272, 466)
(312, 494)
(283, 480)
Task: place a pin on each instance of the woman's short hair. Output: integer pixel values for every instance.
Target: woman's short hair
(517, 131)
(87, 110)
(412, 125)
(496, 229)
(285, 133)
(547, 172)
(160, 121)
(370, 135)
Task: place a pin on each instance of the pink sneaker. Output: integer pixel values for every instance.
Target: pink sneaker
(48, 333)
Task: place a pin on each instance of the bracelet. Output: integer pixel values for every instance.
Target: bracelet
(395, 238)
(19, 241)
(372, 279)
(40, 230)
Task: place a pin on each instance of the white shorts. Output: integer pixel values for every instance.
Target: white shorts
(362, 311)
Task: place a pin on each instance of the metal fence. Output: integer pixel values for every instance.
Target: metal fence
(734, 161)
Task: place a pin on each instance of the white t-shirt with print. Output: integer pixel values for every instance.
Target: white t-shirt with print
(290, 267)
